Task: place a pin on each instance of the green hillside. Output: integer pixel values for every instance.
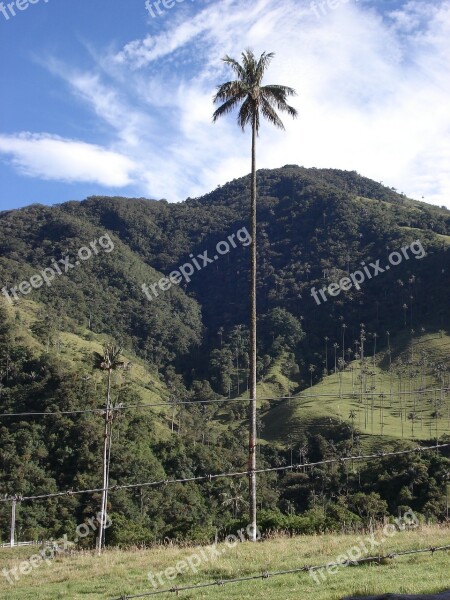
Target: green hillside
(76, 347)
(382, 401)
(186, 354)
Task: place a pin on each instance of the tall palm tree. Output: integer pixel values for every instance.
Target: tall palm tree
(253, 100)
(109, 361)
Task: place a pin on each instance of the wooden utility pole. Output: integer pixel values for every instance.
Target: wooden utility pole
(13, 522)
(106, 447)
(109, 362)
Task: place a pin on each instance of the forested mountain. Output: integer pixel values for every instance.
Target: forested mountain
(188, 342)
(314, 225)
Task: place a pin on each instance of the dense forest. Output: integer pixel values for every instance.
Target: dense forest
(185, 351)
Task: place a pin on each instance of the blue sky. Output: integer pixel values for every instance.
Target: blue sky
(100, 98)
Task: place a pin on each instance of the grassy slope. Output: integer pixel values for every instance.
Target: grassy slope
(88, 577)
(78, 348)
(335, 399)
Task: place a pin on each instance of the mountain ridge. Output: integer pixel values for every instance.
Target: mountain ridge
(188, 349)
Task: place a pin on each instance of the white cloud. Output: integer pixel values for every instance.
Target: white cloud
(373, 96)
(373, 92)
(51, 157)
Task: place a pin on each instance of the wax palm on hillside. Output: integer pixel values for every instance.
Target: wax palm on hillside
(253, 100)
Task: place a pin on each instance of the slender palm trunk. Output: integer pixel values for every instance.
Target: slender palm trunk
(252, 407)
(105, 468)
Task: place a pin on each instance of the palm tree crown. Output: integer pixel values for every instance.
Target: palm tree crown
(254, 98)
(110, 359)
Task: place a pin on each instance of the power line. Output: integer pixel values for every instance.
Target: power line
(169, 404)
(119, 407)
(267, 575)
(102, 410)
(210, 477)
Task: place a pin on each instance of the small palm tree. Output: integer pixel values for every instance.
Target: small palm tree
(405, 308)
(109, 361)
(352, 417)
(303, 454)
(344, 327)
(234, 498)
(413, 418)
(254, 100)
(335, 346)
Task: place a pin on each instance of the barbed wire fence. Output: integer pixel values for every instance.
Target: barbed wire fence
(209, 477)
(264, 576)
(16, 498)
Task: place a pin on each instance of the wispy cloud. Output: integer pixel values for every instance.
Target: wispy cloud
(219, 23)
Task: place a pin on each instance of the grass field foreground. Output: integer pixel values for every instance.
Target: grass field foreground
(85, 576)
